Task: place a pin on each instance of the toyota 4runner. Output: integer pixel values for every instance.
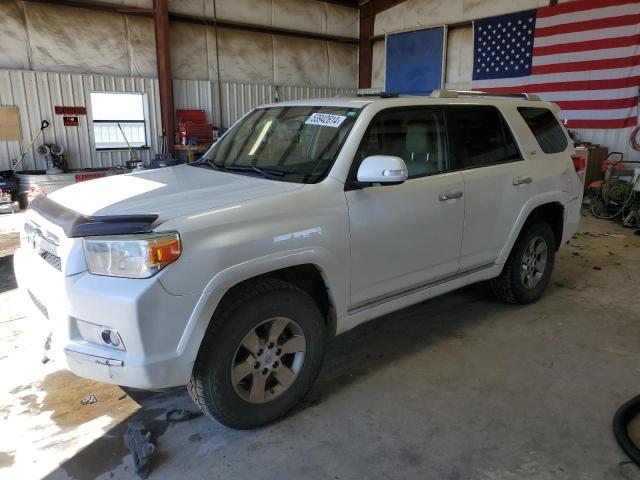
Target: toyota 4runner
(304, 220)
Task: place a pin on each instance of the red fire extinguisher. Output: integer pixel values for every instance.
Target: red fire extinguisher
(181, 134)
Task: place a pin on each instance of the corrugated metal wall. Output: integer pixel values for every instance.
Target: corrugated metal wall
(239, 98)
(370, 91)
(37, 93)
(301, 93)
(614, 140)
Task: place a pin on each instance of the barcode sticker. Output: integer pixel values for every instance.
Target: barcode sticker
(325, 120)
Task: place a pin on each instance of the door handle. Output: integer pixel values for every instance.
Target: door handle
(443, 197)
(521, 180)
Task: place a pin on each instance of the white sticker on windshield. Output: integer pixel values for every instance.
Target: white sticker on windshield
(325, 120)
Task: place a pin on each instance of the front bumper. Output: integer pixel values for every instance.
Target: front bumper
(150, 321)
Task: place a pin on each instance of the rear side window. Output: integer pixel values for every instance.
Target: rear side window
(482, 137)
(545, 127)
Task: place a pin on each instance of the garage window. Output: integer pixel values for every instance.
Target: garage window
(545, 127)
(117, 113)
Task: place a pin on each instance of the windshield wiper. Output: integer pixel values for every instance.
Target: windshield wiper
(209, 163)
(263, 172)
(219, 166)
(252, 168)
(201, 162)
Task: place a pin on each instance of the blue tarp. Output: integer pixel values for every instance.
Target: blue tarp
(414, 61)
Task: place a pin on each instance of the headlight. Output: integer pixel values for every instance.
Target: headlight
(131, 256)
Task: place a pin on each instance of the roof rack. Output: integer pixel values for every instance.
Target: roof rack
(380, 94)
(474, 93)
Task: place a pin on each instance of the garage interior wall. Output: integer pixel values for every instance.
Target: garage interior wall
(54, 55)
(417, 14)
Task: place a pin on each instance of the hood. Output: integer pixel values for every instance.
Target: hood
(168, 192)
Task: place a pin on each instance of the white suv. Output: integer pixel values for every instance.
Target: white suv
(306, 219)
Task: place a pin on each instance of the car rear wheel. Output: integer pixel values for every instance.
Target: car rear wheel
(527, 272)
(260, 355)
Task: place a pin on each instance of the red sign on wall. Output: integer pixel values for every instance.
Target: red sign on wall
(70, 110)
(71, 121)
(81, 177)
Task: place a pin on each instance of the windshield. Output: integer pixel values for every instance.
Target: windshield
(297, 144)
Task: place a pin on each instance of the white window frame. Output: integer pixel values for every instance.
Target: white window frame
(145, 122)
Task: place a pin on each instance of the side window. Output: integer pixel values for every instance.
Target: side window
(545, 127)
(482, 137)
(415, 135)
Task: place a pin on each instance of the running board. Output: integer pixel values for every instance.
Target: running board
(415, 289)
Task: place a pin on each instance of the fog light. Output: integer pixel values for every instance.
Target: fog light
(111, 338)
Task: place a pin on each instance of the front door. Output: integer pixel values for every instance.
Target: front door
(406, 236)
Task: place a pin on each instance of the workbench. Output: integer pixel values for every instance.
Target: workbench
(595, 157)
(191, 150)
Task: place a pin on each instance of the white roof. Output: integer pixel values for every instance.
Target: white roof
(405, 101)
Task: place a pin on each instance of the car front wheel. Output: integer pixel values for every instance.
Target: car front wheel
(260, 355)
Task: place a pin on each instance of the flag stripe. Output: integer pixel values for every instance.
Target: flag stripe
(601, 44)
(596, 104)
(567, 18)
(589, 66)
(589, 95)
(579, 6)
(618, 123)
(613, 114)
(587, 55)
(586, 25)
(566, 86)
(586, 36)
(607, 75)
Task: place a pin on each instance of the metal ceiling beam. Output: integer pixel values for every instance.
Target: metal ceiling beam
(247, 27)
(378, 6)
(344, 3)
(175, 17)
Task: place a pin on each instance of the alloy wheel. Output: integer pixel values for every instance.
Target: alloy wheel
(534, 262)
(268, 360)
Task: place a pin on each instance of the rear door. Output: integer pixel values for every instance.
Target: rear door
(497, 180)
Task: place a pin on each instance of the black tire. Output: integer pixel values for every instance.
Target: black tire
(509, 286)
(211, 386)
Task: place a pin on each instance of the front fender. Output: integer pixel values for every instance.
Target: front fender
(331, 269)
(534, 202)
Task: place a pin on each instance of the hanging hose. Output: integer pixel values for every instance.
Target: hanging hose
(621, 420)
(633, 139)
(617, 193)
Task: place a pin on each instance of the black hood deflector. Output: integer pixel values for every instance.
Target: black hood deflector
(76, 225)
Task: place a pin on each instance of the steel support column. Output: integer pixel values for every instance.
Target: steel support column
(365, 50)
(163, 55)
(368, 11)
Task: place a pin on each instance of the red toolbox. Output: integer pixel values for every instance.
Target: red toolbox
(192, 125)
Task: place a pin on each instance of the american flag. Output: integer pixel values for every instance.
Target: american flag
(584, 55)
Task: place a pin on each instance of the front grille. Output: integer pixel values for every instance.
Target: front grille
(52, 260)
(37, 303)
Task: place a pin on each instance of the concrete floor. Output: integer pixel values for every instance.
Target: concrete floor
(459, 387)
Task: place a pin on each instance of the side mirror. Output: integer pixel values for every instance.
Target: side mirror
(383, 169)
